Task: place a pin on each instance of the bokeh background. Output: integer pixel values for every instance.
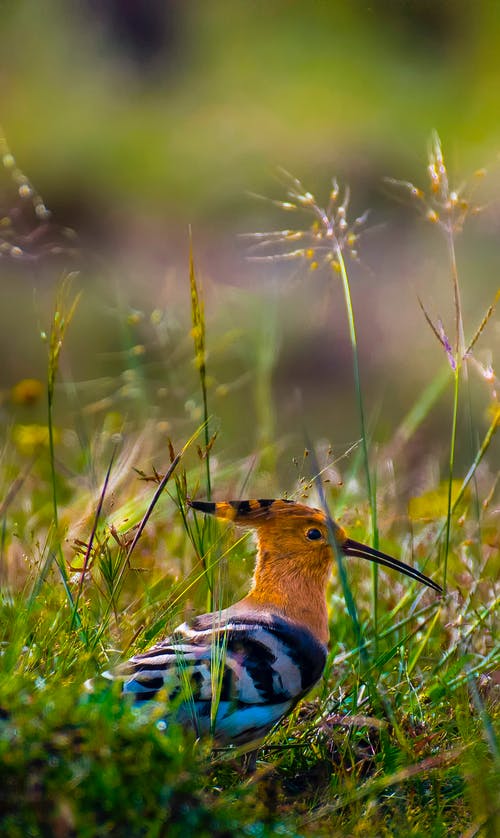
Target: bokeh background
(135, 120)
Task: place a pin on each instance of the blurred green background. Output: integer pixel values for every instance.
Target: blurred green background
(136, 119)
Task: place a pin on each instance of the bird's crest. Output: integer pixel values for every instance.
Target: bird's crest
(253, 513)
(242, 511)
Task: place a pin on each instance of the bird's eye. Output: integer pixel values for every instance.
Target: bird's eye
(313, 534)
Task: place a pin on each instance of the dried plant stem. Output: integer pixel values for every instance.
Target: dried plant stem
(125, 563)
(198, 321)
(199, 334)
(88, 552)
(203, 382)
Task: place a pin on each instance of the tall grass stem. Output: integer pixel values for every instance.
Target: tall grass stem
(361, 412)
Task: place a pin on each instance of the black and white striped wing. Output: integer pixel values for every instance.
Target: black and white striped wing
(255, 670)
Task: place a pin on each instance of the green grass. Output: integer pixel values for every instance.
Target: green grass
(100, 558)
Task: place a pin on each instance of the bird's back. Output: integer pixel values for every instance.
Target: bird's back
(233, 674)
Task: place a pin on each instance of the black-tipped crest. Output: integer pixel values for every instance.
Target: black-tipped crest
(242, 511)
(202, 506)
(241, 507)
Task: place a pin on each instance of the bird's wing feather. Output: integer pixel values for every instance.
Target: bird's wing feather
(254, 661)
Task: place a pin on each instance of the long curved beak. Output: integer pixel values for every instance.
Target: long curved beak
(362, 551)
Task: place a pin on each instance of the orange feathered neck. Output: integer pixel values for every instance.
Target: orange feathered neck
(291, 571)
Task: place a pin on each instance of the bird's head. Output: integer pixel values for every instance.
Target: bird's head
(300, 535)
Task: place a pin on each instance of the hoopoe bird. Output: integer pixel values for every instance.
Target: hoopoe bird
(271, 646)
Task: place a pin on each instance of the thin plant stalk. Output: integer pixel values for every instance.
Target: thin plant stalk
(199, 333)
(361, 412)
(198, 321)
(119, 577)
(378, 696)
(88, 552)
(449, 209)
(460, 368)
(479, 456)
(63, 315)
(334, 234)
(459, 351)
(461, 354)
(175, 459)
(453, 440)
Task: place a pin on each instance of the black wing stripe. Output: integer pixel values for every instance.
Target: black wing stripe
(148, 682)
(258, 660)
(143, 697)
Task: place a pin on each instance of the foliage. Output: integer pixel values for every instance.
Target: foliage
(99, 557)
(91, 767)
